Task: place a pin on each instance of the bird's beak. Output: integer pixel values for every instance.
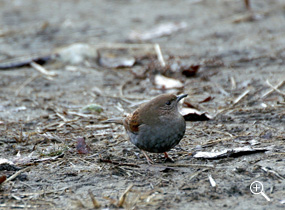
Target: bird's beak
(180, 97)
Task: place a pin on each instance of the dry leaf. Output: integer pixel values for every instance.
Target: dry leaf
(231, 152)
(207, 99)
(189, 71)
(81, 146)
(2, 179)
(194, 115)
(163, 82)
(165, 29)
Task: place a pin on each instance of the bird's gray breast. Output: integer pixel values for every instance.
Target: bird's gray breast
(159, 137)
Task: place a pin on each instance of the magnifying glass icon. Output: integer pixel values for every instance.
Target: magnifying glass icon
(256, 187)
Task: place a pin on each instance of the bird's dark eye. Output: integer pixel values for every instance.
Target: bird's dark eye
(168, 103)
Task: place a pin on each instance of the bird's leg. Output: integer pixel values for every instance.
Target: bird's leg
(167, 157)
(149, 161)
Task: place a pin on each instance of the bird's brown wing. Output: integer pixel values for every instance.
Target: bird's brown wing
(132, 122)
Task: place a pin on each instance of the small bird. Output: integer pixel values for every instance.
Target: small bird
(155, 126)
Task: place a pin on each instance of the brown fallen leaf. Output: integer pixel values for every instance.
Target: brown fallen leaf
(2, 179)
(187, 104)
(194, 115)
(81, 146)
(189, 71)
(206, 99)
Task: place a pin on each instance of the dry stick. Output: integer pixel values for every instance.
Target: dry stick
(274, 88)
(25, 84)
(118, 163)
(96, 204)
(15, 175)
(212, 181)
(123, 196)
(189, 165)
(235, 102)
(22, 206)
(61, 117)
(159, 55)
(196, 174)
(269, 171)
(122, 45)
(241, 96)
(216, 141)
(247, 4)
(222, 90)
(270, 91)
(43, 71)
(233, 83)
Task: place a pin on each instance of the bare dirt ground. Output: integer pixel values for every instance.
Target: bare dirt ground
(40, 119)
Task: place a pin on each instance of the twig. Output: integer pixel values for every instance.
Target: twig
(216, 141)
(118, 163)
(81, 114)
(271, 172)
(212, 181)
(270, 91)
(17, 206)
(96, 204)
(190, 165)
(274, 88)
(241, 96)
(159, 55)
(222, 90)
(61, 116)
(15, 175)
(123, 196)
(43, 71)
(233, 83)
(247, 4)
(29, 80)
(196, 174)
(122, 45)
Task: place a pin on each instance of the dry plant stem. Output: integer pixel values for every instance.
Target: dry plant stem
(96, 204)
(122, 45)
(118, 163)
(21, 134)
(18, 206)
(247, 4)
(274, 173)
(274, 88)
(43, 71)
(15, 175)
(216, 141)
(159, 55)
(241, 96)
(29, 80)
(61, 116)
(212, 181)
(233, 83)
(123, 197)
(280, 84)
(197, 173)
(149, 161)
(190, 165)
(222, 90)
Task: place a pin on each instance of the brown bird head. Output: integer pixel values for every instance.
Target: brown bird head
(165, 103)
(164, 106)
